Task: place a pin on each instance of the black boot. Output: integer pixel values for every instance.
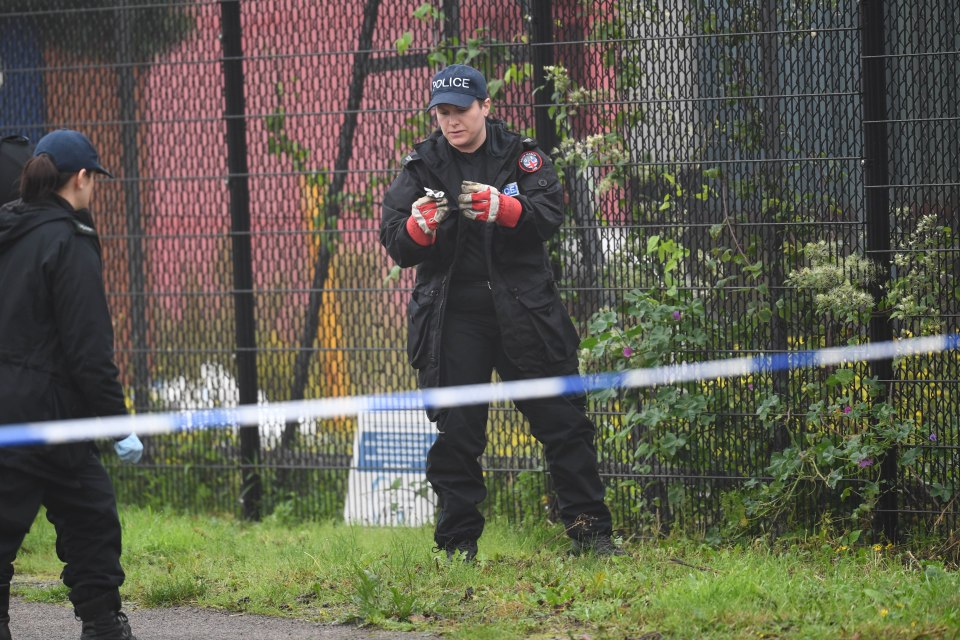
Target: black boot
(107, 626)
(599, 546)
(465, 551)
(5, 612)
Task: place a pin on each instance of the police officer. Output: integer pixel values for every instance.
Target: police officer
(472, 210)
(56, 362)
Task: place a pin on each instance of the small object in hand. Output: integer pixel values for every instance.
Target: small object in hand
(432, 193)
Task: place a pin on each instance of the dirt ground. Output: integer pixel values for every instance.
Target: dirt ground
(34, 621)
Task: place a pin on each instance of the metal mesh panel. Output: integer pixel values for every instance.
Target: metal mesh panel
(923, 126)
(253, 142)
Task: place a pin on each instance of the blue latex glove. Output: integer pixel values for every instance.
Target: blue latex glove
(130, 449)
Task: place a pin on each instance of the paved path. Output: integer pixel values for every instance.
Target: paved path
(35, 621)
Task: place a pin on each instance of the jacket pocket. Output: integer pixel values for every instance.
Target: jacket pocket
(27, 395)
(420, 322)
(545, 324)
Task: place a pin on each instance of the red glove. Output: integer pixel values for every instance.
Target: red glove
(426, 214)
(483, 202)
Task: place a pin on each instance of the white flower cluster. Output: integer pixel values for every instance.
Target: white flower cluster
(602, 151)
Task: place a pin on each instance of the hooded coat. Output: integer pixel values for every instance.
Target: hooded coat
(56, 335)
(536, 329)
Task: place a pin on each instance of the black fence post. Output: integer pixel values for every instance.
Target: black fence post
(251, 491)
(877, 219)
(541, 43)
(451, 21)
(773, 184)
(541, 55)
(133, 209)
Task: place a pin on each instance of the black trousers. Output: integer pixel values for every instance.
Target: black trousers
(83, 509)
(471, 349)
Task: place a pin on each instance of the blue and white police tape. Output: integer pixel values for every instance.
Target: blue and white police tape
(55, 432)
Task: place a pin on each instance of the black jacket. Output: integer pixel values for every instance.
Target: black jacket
(56, 336)
(536, 330)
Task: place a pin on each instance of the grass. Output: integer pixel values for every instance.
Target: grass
(524, 586)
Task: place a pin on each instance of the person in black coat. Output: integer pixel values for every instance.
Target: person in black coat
(472, 209)
(57, 362)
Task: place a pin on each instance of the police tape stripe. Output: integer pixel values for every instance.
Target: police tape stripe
(56, 432)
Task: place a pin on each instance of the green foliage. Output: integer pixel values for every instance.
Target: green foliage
(58, 593)
(427, 13)
(654, 327)
(403, 42)
(846, 436)
(174, 590)
(850, 424)
(188, 471)
(376, 602)
(614, 23)
(926, 276)
(414, 129)
(846, 426)
(839, 284)
(524, 584)
(602, 151)
(803, 288)
(521, 497)
(280, 144)
(474, 52)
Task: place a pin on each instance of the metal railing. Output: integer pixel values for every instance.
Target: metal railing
(252, 141)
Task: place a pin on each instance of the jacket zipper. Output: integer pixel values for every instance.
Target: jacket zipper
(439, 328)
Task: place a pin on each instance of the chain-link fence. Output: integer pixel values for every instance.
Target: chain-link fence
(728, 166)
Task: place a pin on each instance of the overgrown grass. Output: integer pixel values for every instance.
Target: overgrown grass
(524, 586)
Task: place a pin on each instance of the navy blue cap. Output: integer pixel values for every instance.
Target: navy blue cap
(458, 85)
(70, 152)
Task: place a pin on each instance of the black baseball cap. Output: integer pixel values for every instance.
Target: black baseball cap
(70, 152)
(457, 84)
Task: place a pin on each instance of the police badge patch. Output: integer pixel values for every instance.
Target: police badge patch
(531, 161)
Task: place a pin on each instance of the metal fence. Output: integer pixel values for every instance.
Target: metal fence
(706, 148)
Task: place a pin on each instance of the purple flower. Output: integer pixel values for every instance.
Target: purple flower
(847, 409)
(750, 386)
(866, 462)
(677, 315)
(627, 352)
(933, 437)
